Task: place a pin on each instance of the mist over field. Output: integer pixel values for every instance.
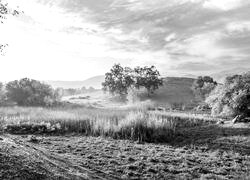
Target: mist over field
(124, 89)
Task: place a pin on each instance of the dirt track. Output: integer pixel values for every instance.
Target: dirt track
(76, 157)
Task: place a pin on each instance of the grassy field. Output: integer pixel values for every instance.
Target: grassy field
(126, 123)
(81, 142)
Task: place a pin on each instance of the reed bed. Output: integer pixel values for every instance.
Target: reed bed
(133, 124)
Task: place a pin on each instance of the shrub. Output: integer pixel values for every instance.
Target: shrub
(233, 97)
(29, 92)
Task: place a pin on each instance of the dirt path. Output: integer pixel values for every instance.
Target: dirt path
(30, 161)
(201, 153)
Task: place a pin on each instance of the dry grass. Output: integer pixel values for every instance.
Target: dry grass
(135, 124)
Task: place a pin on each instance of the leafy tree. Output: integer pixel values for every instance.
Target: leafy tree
(148, 77)
(233, 95)
(29, 92)
(203, 86)
(118, 80)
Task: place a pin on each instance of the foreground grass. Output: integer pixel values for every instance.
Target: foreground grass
(134, 124)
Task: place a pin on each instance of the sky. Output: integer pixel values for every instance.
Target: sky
(78, 39)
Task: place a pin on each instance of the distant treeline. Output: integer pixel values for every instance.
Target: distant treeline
(30, 92)
(73, 91)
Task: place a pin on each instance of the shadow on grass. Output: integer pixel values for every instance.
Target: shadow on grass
(215, 137)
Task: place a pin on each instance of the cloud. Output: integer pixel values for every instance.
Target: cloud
(194, 66)
(222, 4)
(238, 27)
(193, 36)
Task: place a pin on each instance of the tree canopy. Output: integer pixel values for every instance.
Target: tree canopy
(120, 79)
(147, 77)
(29, 92)
(202, 87)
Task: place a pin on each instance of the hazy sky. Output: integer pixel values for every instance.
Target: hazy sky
(77, 39)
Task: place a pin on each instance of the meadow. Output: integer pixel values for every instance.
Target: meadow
(127, 141)
(119, 123)
(81, 142)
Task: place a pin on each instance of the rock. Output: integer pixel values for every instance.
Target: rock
(241, 119)
(237, 119)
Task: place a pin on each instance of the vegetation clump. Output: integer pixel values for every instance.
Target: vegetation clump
(29, 92)
(203, 86)
(233, 97)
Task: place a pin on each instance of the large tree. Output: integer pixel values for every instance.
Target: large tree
(147, 77)
(29, 92)
(120, 79)
(233, 96)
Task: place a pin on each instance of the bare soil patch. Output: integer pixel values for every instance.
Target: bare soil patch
(206, 153)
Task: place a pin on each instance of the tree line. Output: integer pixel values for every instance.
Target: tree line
(230, 98)
(74, 91)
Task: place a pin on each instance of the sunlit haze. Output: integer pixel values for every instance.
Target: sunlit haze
(78, 39)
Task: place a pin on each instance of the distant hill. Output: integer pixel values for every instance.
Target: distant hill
(175, 89)
(94, 82)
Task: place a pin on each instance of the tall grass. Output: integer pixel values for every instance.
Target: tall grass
(134, 124)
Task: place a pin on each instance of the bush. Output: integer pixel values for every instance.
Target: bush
(233, 97)
(29, 92)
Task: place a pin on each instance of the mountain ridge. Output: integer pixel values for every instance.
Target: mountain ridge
(94, 82)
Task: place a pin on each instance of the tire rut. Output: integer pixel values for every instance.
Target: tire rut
(75, 170)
